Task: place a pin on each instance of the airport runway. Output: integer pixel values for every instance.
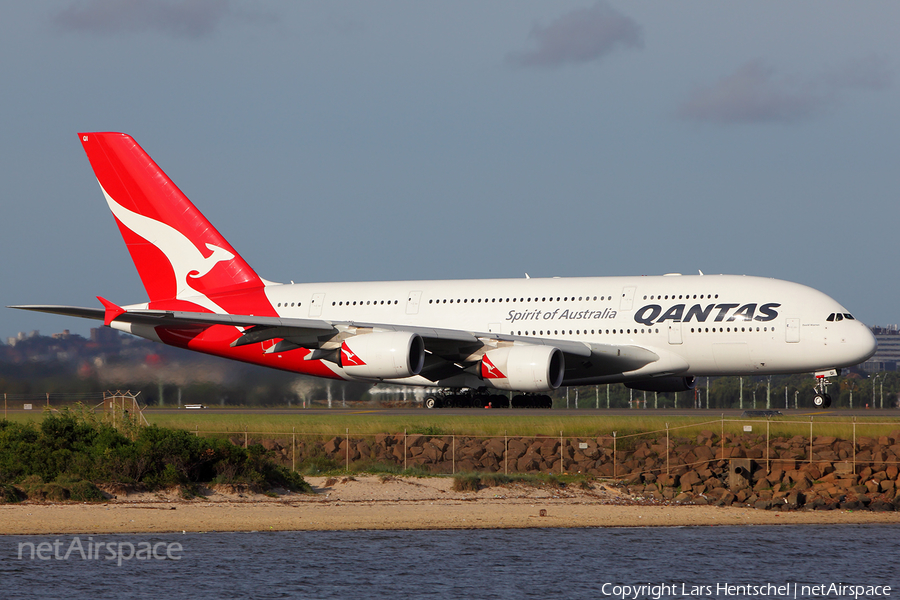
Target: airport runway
(437, 414)
(700, 414)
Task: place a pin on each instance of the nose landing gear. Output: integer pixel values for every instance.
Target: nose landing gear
(822, 398)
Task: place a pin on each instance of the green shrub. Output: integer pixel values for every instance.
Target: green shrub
(466, 482)
(320, 466)
(55, 492)
(72, 449)
(9, 494)
(33, 486)
(85, 491)
(432, 430)
(494, 479)
(375, 467)
(416, 471)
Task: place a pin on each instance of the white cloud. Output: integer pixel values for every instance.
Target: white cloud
(176, 18)
(579, 36)
(753, 93)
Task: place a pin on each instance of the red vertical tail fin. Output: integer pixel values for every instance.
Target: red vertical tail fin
(177, 252)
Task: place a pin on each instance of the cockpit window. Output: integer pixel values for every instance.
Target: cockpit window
(840, 317)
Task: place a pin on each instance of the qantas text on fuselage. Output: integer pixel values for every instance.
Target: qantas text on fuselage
(653, 313)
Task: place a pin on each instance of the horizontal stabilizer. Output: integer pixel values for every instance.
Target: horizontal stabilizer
(180, 319)
(69, 311)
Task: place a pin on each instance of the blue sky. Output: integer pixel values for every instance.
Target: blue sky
(347, 141)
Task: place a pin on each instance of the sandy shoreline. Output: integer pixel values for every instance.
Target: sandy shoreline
(368, 502)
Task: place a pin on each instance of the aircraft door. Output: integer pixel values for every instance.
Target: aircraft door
(675, 333)
(412, 303)
(315, 305)
(627, 298)
(792, 331)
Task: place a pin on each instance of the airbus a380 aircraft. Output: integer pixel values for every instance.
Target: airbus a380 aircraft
(466, 337)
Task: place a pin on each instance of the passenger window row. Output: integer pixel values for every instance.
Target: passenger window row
(529, 299)
(579, 332)
(728, 329)
(366, 303)
(681, 297)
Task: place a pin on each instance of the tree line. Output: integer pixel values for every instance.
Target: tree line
(258, 387)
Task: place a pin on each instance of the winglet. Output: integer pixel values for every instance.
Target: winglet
(112, 311)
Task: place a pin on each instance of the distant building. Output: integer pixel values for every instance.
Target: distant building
(888, 353)
(104, 335)
(22, 336)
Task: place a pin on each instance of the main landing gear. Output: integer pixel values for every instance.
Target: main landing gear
(480, 398)
(465, 398)
(822, 398)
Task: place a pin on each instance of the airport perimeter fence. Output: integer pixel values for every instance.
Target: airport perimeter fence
(774, 444)
(782, 445)
(55, 401)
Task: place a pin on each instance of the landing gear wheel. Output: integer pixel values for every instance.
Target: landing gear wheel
(431, 402)
(499, 401)
(532, 401)
(482, 401)
(822, 398)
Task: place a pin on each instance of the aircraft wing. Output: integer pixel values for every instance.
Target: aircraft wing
(450, 351)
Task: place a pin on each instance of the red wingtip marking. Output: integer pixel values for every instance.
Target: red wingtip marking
(112, 311)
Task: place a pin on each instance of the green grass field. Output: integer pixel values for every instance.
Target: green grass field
(498, 424)
(495, 423)
(549, 424)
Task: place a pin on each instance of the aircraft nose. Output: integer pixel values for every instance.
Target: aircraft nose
(864, 343)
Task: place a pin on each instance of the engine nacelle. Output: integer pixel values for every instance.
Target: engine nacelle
(383, 355)
(524, 368)
(663, 384)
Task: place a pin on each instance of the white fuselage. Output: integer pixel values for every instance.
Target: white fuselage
(701, 324)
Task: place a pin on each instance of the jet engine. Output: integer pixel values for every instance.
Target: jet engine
(383, 355)
(524, 368)
(663, 384)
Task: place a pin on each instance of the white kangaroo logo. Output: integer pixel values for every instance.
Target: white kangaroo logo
(492, 370)
(217, 256)
(186, 260)
(350, 355)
